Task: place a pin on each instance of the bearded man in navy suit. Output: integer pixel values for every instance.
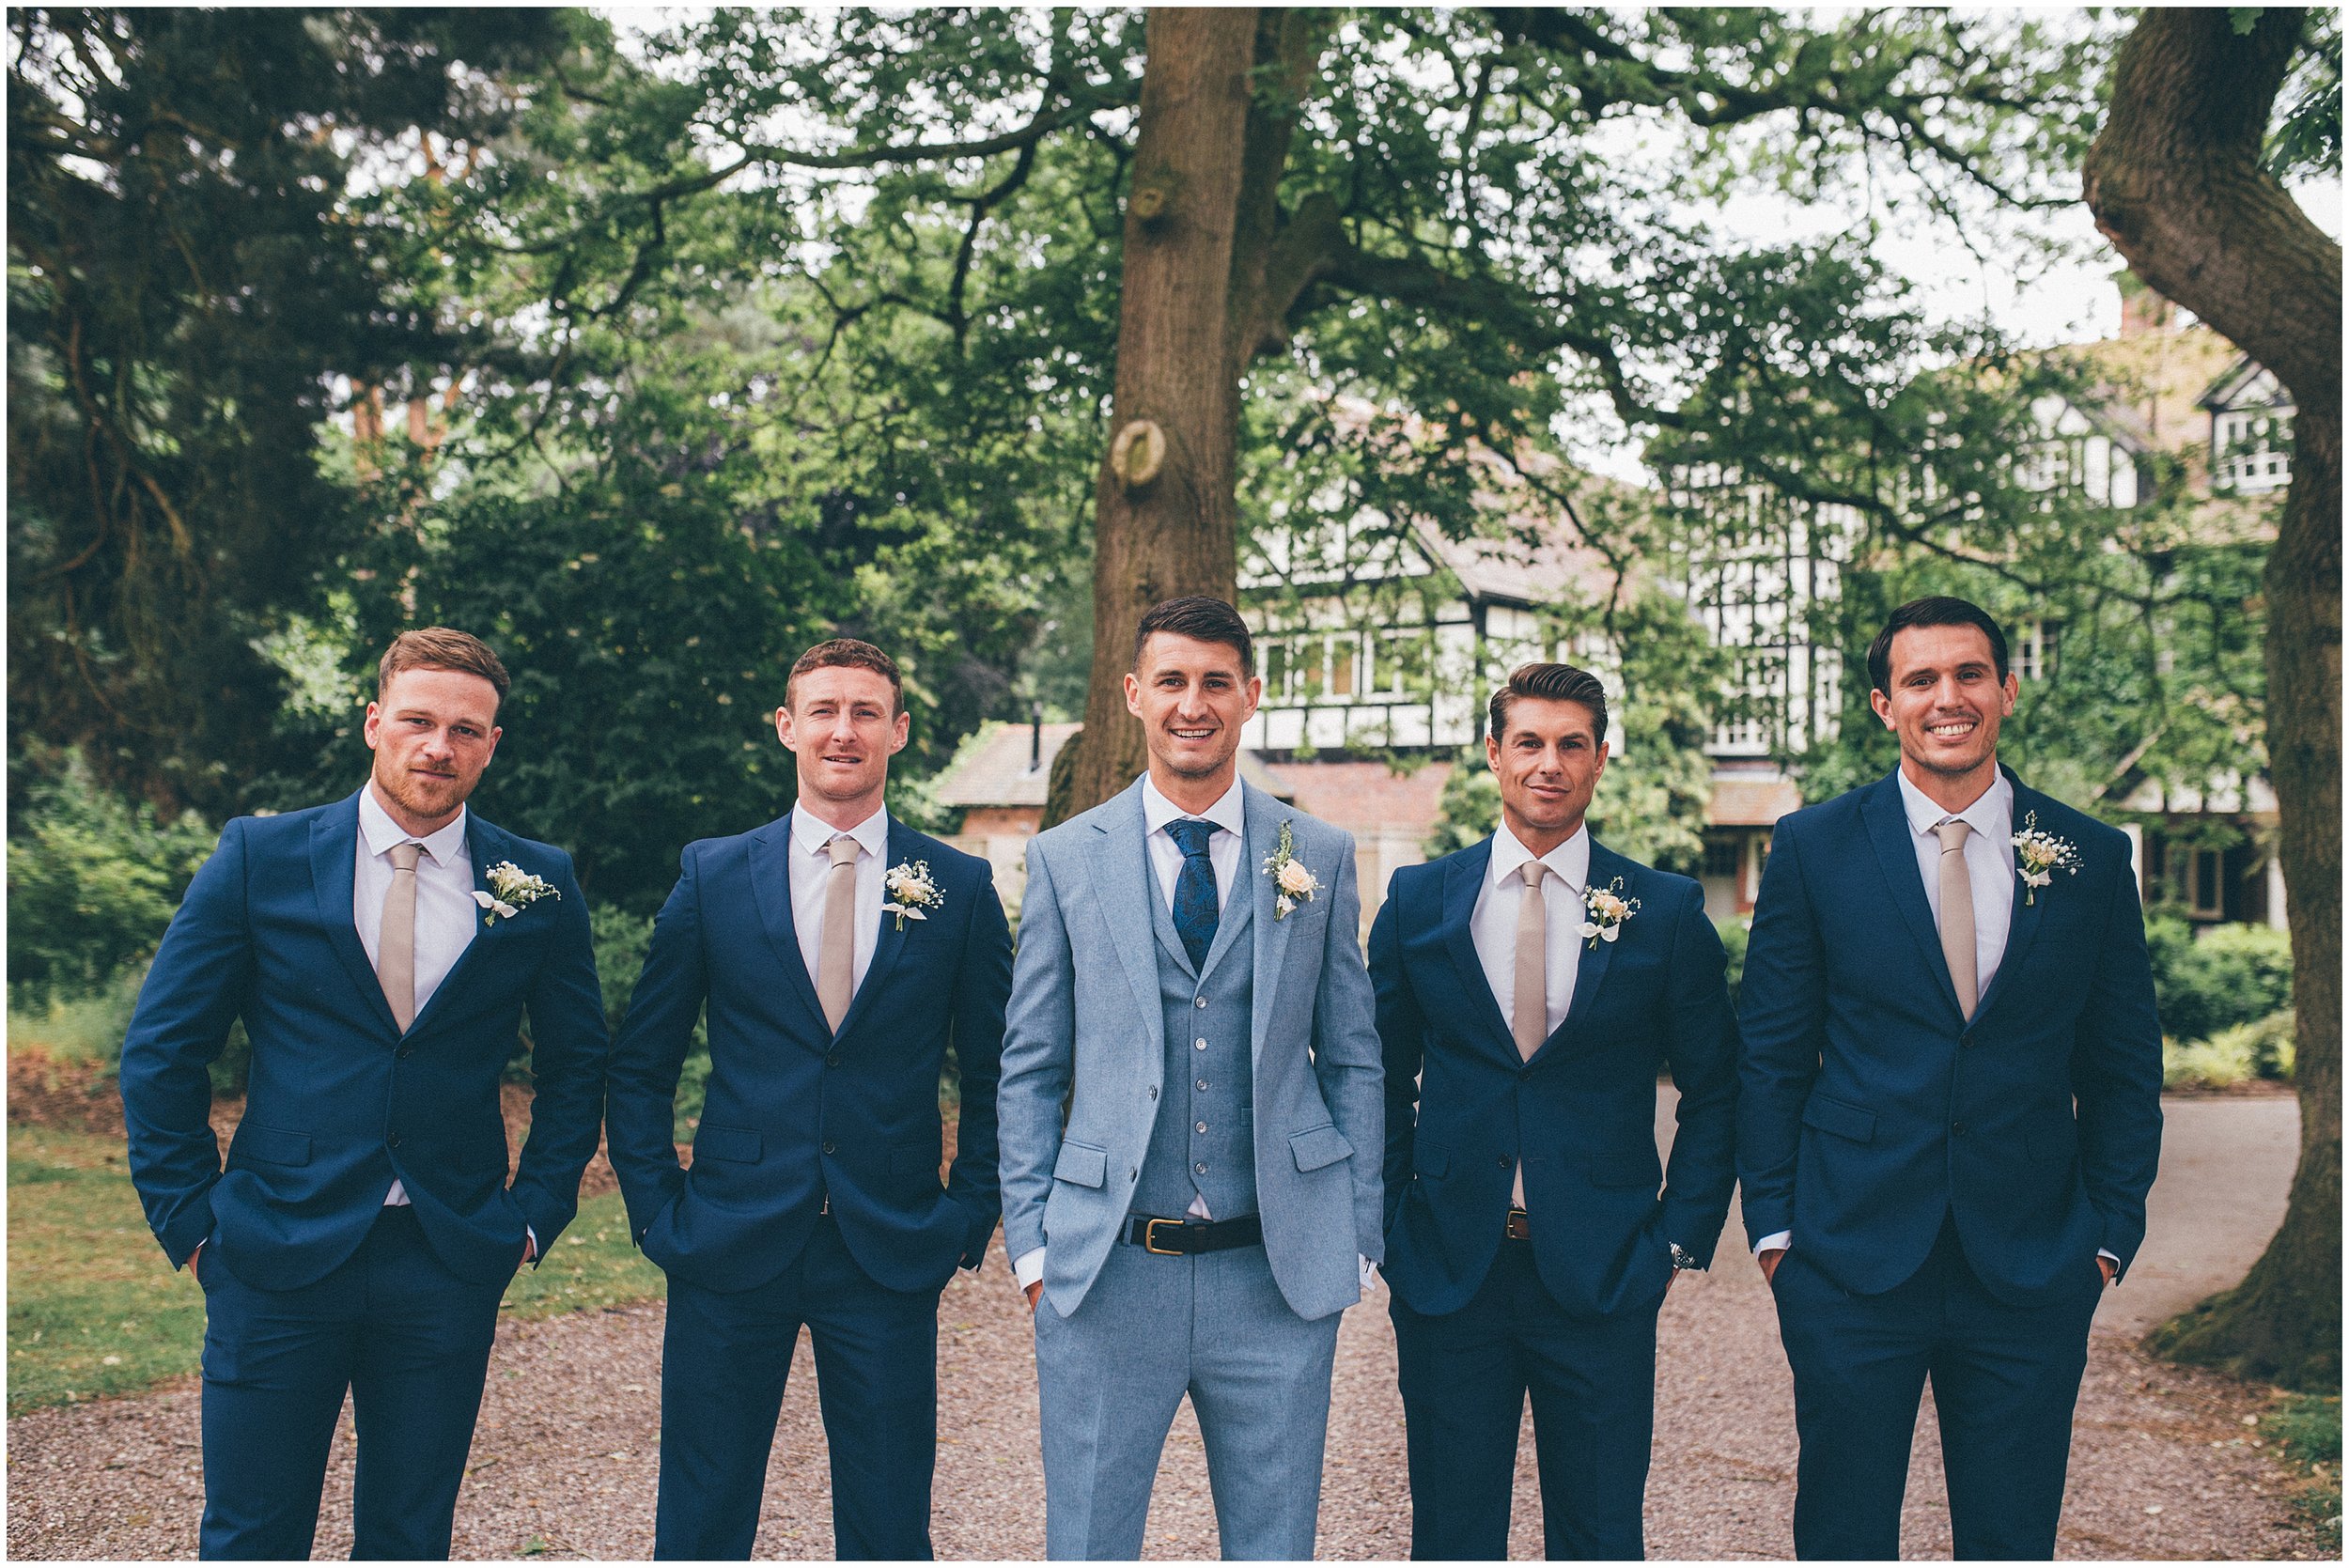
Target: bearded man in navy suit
(840, 954)
(1530, 989)
(1950, 1109)
(381, 953)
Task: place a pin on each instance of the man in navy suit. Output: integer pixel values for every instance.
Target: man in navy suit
(1530, 989)
(381, 953)
(1950, 1109)
(841, 955)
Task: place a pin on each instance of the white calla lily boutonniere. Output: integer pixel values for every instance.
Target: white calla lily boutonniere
(910, 891)
(511, 891)
(1292, 883)
(1609, 910)
(2038, 856)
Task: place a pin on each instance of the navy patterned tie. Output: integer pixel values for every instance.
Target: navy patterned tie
(1195, 889)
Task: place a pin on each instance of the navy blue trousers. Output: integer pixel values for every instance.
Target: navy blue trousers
(2004, 1381)
(724, 1360)
(1465, 1378)
(407, 1338)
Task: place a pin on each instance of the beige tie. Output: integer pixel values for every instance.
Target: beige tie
(836, 958)
(1957, 914)
(395, 943)
(1529, 1002)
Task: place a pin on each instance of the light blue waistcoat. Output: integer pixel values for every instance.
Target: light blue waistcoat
(1219, 1164)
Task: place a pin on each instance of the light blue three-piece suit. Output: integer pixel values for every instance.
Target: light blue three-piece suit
(1249, 1084)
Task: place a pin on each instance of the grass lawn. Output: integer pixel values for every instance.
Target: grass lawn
(94, 1310)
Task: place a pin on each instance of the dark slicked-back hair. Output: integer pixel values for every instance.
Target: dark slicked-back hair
(848, 653)
(1202, 620)
(1938, 611)
(440, 647)
(1556, 683)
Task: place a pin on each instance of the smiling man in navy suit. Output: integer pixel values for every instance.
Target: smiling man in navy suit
(381, 953)
(1951, 1107)
(840, 954)
(1531, 990)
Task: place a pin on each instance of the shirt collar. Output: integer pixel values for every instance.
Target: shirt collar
(1229, 813)
(1570, 862)
(811, 833)
(383, 835)
(1991, 815)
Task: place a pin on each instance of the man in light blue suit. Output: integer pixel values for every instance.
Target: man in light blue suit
(1189, 987)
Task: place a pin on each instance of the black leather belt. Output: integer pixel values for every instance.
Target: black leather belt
(1172, 1238)
(1517, 1227)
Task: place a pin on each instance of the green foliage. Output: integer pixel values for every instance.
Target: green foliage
(1736, 934)
(92, 883)
(83, 1028)
(593, 1264)
(1469, 809)
(2306, 139)
(2232, 1057)
(2226, 976)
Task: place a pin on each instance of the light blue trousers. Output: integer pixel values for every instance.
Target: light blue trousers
(1152, 1330)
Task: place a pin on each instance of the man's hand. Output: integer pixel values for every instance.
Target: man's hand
(529, 1249)
(195, 1261)
(2110, 1268)
(1033, 1292)
(1769, 1261)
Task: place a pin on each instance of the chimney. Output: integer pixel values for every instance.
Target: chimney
(2142, 311)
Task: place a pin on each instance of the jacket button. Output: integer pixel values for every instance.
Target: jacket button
(1132, 1174)
(1154, 1090)
(828, 1146)
(1504, 1162)
(1966, 1039)
(393, 1142)
(405, 1052)
(1957, 1129)
(1199, 1002)
(833, 1061)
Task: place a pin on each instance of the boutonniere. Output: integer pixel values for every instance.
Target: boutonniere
(910, 891)
(1609, 910)
(1292, 883)
(511, 891)
(2039, 855)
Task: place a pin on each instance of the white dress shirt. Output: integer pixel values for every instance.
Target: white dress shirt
(811, 873)
(1989, 871)
(446, 916)
(1493, 924)
(1224, 845)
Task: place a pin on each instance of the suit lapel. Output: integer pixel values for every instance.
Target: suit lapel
(1591, 967)
(770, 888)
(1887, 832)
(1269, 934)
(1464, 878)
(891, 945)
(2023, 919)
(334, 874)
(1121, 877)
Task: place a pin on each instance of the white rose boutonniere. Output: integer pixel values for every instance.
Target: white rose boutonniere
(1609, 910)
(511, 891)
(910, 891)
(1292, 883)
(2038, 856)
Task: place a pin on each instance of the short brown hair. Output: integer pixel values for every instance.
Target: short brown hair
(440, 647)
(1936, 610)
(1202, 620)
(848, 653)
(1555, 683)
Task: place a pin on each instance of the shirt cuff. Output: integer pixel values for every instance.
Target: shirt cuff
(1028, 1268)
(1774, 1240)
(2114, 1256)
(1370, 1272)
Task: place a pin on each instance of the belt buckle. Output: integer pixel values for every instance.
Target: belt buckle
(1150, 1238)
(1516, 1226)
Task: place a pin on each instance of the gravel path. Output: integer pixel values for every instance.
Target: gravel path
(565, 1460)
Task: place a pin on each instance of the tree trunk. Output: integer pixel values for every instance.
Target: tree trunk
(2175, 183)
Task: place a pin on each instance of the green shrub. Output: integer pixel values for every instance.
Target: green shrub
(1468, 808)
(2225, 976)
(2233, 1056)
(1735, 935)
(83, 1028)
(92, 883)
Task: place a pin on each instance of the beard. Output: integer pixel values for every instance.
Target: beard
(423, 795)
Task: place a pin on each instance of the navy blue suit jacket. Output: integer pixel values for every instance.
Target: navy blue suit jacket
(1580, 1113)
(339, 1101)
(1872, 1110)
(795, 1113)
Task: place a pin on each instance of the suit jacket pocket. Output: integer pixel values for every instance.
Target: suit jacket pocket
(1844, 1121)
(1429, 1159)
(1627, 1165)
(1318, 1146)
(739, 1144)
(1081, 1165)
(271, 1146)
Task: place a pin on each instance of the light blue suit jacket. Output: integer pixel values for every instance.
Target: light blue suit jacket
(1085, 1013)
